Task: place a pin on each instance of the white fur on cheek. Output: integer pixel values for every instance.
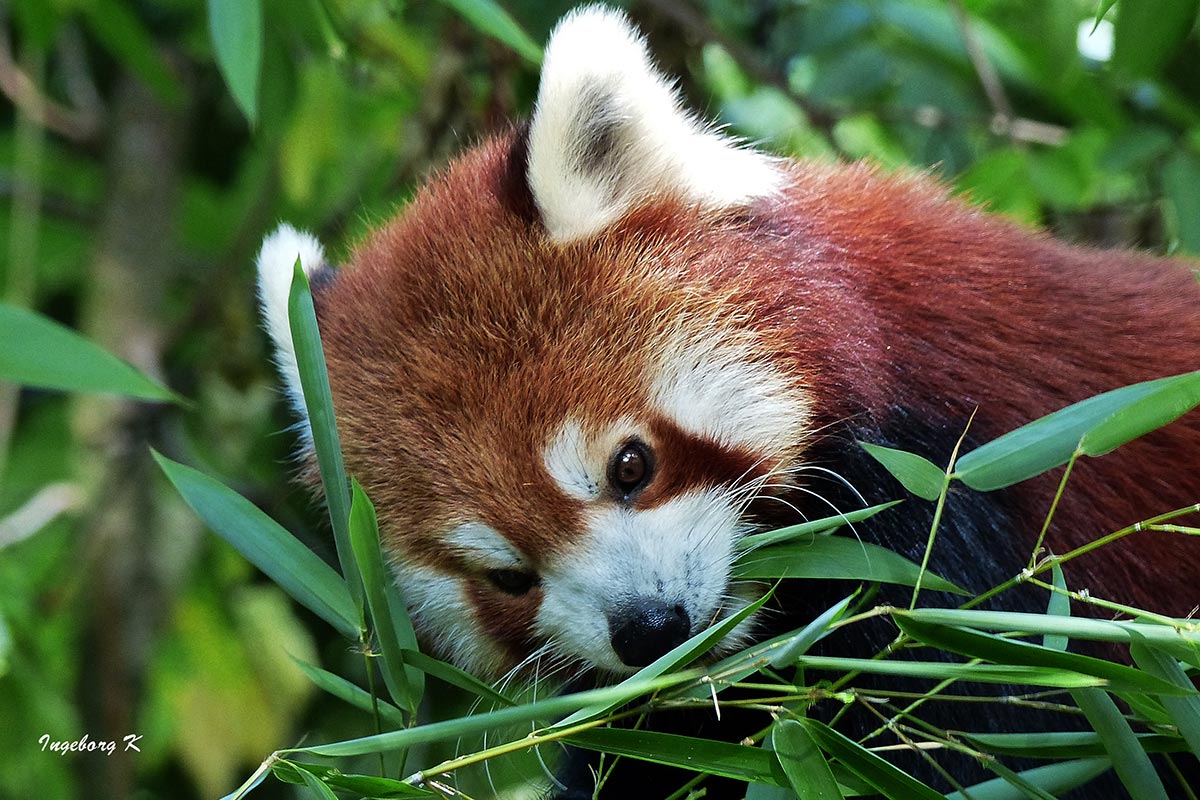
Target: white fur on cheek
(608, 132)
(679, 552)
(276, 266)
(566, 458)
(445, 620)
(484, 546)
(718, 389)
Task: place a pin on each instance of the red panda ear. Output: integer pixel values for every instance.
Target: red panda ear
(608, 133)
(276, 266)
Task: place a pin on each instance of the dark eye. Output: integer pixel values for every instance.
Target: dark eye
(512, 581)
(630, 469)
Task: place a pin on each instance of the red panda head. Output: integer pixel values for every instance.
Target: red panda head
(550, 374)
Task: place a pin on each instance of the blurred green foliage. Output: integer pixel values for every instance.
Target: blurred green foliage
(145, 147)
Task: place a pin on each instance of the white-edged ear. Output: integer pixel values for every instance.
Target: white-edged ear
(608, 132)
(276, 266)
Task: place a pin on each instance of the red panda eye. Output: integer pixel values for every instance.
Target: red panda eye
(512, 581)
(630, 468)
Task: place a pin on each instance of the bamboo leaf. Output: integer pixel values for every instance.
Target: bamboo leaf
(1016, 652)
(1062, 744)
(1049, 442)
(295, 568)
(116, 26)
(1147, 35)
(805, 767)
(1181, 639)
(941, 670)
(781, 651)
(768, 791)
(799, 644)
(362, 785)
(1180, 175)
(1183, 710)
(812, 528)
(514, 715)
(917, 474)
(736, 761)
(1128, 758)
(356, 696)
(316, 785)
(40, 352)
(406, 686)
(1101, 10)
(454, 676)
(889, 780)
(489, 18)
(1052, 780)
(693, 648)
(237, 33)
(5, 646)
(836, 557)
(1169, 402)
(1059, 606)
(318, 400)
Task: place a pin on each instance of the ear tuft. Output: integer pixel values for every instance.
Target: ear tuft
(276, 266)
(608, 133)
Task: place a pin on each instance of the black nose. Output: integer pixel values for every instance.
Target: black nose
(647, 628)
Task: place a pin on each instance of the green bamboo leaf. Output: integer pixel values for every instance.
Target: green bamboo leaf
(40, 352)
(514, 715)
(237, 33)
(1146, 707)
(316, 785)
(805, 767)
(799, 644)
(361, 785)
(318, 400)
(917, 474)
(780, 651)
(1181, 639)
(116, 26)
(1103, 8)
(1168, 403)
(284, 559)
(812, 528)
(836, 557)
(1052, 780)
(683, 654)
(736, 761)
(1012, 780)
(405, 685)
(5, 646)
(1016, 652)
(889, 780)
(1180, 178)
(1050, 441)
(454, 676)
(1147, 34)
(1128, 758)
(346, 691)
(768, 791)
(489, 18)
(1059, 606)
(1185, 710)
(941, 670)
(1062, 744)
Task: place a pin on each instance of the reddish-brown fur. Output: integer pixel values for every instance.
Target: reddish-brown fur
(460, 329)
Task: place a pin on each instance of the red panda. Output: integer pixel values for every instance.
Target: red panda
(601, 347)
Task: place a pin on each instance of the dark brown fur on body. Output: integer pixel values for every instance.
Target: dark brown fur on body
(460, 328)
